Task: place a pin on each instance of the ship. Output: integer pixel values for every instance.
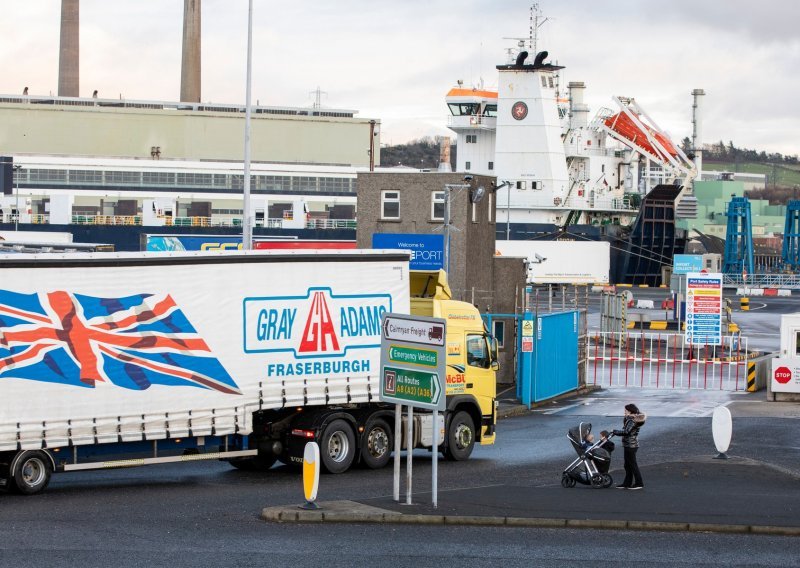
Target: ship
(562, 175)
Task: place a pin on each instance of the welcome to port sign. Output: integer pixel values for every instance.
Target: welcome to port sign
(413, 365)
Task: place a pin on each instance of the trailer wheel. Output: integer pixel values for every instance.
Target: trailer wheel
(460, 437)
(337, 447)
(32, 473)
(376, 449)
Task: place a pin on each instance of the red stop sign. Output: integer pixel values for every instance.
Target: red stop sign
(783, 375)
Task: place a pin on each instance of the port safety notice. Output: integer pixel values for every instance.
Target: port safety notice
(413, 361)
(704, 308)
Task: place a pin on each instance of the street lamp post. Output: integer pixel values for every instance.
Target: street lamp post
(17, 168)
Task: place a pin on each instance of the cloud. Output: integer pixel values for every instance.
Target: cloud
(395, 61)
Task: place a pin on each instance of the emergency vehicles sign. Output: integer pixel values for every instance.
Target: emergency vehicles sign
(320, 332)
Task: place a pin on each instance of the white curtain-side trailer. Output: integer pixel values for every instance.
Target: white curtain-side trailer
(171, 357)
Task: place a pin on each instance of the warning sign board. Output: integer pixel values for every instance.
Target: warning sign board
(527, 328)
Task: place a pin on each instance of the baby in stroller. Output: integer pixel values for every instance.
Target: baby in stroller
(593, 461)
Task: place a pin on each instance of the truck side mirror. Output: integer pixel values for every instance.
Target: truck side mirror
(495, 357)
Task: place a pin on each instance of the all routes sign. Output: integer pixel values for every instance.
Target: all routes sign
(413, 362)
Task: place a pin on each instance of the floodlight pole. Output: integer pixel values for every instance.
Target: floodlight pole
(17, 168)
(247, 230)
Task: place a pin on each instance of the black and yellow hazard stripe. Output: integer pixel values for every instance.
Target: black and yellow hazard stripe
(751, 376)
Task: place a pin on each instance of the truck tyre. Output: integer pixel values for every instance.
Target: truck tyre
(460, 437)
(337, 447)
(376, 448)
(31, 473)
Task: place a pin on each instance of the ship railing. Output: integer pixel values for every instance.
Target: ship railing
(472, 120)
(40, 219)
(106, 220)
(331, 224)
(583, 202)
(761, 284)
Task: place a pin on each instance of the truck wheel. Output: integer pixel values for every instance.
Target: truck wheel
(460, 437)
(376, 449)
(337, 447)
(32, 473)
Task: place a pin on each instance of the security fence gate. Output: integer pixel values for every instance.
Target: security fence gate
(666, 361)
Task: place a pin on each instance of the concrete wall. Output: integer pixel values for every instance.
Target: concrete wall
(191, 135)
(509, 276)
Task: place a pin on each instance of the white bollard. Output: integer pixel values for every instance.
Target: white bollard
(722, 430)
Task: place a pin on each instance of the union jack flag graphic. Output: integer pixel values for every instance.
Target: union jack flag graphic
(132, 342)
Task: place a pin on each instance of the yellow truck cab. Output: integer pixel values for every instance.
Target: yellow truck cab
(471, 363)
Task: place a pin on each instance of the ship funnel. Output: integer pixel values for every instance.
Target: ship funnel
(540, 57)
(523, 55)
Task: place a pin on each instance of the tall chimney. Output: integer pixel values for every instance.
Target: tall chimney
(444, 155)
(190, 62)
(68, 58)
(697, 130)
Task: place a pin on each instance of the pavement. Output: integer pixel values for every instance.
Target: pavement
(695, 494)
(698, 494)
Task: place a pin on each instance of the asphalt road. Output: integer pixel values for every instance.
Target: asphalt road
(206, 514)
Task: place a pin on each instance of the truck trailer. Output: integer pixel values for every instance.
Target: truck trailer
(125, 359)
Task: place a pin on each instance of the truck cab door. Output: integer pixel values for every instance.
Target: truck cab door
(480, 376)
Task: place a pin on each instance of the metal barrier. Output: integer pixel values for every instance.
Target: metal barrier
(666, 361)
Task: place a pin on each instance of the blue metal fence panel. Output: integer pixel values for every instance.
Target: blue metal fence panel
(555, 356)
(547, 365)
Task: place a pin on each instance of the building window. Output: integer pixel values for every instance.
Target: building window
(499, 332)
(536, 185)
(522, 185)
(390, 204)
(491, 166)
(472, 138)
(544, 81)
(437, 205)
(468, 166)
(550, 81)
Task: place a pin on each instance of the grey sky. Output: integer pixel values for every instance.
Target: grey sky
(396, 60)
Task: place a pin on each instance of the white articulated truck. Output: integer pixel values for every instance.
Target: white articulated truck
(117, 360)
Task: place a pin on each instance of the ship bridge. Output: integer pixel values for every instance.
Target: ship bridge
(471, 109)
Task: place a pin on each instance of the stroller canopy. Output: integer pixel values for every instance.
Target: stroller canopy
(579, 432)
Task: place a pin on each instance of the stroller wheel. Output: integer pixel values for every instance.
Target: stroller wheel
(598, 481)
(567, 482)
(608, 481)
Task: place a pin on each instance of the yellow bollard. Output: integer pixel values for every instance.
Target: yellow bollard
(311, 475)
(744, 304)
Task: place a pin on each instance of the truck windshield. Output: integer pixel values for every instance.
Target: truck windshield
(477, 352)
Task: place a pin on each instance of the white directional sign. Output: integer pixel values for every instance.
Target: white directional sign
(425, 331)
(410, 373)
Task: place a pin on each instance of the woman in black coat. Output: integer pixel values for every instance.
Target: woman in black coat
(632, 422)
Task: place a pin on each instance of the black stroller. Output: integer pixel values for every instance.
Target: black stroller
(592, 463)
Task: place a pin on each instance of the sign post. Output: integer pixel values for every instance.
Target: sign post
(413, 373)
